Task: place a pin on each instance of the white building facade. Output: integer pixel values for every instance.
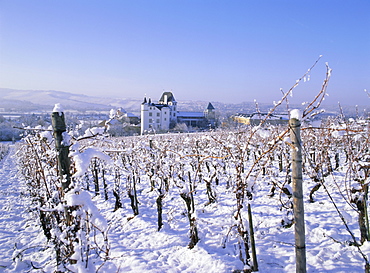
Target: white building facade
(164, 115)
(158, 116)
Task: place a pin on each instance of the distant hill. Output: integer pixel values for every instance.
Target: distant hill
(33, 100)
(44, 100)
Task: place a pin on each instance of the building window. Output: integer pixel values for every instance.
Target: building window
(165, 119)
(157, 120)
(165, 113)
(158, 114)
(150, 114)
(150, 120)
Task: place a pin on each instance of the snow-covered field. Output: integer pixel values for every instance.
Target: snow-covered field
(134, 243)
(19, 233)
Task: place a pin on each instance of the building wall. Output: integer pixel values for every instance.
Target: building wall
(164, 114)
(154, 118)
(257, 121)
(165, 118)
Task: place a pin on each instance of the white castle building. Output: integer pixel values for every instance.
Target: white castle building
(164, 115)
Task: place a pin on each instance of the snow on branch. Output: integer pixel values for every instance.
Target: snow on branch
(82, 160)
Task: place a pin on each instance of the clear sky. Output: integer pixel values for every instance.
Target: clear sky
(212, 50)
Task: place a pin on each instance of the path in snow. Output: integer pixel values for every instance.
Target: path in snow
(16, 228)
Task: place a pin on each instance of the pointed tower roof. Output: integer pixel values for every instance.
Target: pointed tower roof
(144, 101)
(210, 106)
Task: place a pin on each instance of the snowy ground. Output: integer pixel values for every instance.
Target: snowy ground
(19, 234)
(137, 246)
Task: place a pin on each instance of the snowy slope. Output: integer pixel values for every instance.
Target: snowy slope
(48, 98)
(20, 242)
(137, 246)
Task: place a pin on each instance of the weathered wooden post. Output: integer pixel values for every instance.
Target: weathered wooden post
(61, 145)
(59, 127)
(366, 192)
(253, 244)
(298, 207)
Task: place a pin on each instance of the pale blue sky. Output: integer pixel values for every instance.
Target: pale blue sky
(227, 51)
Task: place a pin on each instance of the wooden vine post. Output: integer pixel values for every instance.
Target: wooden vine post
(62, 147)
(298, 207)
(253, 243)
(59, 127)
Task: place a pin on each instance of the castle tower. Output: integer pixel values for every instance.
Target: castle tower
(210, 115)
(144, 116)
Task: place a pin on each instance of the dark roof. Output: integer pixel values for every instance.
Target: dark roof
(169, 95)
(210, 106)
(159, 106)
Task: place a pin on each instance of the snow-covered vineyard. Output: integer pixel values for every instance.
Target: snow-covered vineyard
(182, 202)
